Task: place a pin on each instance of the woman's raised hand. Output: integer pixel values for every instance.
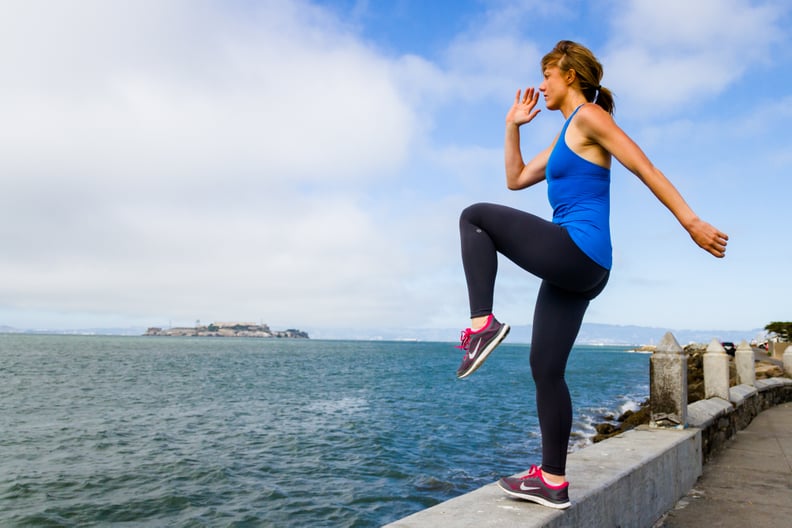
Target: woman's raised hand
(524, 108)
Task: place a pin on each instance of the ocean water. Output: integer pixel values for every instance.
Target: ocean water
(134, 431)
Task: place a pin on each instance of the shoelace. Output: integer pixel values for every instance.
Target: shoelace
(534, 472)
(465, 338)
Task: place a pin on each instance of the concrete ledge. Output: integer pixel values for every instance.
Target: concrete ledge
(740, 393)
(703, 413)
(629, 480)
(765, 384)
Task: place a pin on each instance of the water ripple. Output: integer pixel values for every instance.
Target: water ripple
(100, 431)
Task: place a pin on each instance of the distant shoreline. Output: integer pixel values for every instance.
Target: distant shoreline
(590, 334)
(233, 329)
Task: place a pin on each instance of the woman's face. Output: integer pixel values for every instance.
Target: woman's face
(554, 87)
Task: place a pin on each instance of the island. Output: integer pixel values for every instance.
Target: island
(233, 329)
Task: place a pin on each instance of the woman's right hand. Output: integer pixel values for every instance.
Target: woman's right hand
(524, 108)
(708, 237)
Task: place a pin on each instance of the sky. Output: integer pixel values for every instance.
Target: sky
(304, 164)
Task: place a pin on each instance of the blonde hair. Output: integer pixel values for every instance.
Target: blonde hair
(568, 55)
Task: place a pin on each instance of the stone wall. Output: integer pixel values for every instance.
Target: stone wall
(719, 420)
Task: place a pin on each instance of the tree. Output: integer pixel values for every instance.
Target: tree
(782, 330)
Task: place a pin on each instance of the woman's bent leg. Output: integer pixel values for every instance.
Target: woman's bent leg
(535, 244)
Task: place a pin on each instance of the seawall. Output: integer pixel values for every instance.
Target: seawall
(629, 480)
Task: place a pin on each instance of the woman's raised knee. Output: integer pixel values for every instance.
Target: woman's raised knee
(472, 213)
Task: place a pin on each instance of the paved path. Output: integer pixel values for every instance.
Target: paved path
(761, 355)
(748, 484)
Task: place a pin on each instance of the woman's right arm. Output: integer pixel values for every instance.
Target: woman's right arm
(520, 175)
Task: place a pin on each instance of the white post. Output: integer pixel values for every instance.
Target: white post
(716, 371)
(746, 370)
(668, 388)
(788, 361)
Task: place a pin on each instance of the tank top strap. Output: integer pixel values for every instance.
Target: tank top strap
(575, 111)
(569, 119)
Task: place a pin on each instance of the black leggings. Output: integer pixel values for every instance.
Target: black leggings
(570, 279)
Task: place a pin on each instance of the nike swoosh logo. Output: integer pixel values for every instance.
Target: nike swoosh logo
(473, 353)
(528, 488)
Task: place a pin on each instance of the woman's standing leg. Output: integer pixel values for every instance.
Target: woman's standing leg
(557, 319)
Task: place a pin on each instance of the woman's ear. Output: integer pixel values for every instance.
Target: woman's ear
(571, 75)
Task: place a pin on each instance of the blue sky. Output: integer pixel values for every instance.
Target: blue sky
(304, 163)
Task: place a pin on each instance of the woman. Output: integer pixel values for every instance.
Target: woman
(571, 254)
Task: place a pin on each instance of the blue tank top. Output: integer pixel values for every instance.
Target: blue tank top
(579, 193)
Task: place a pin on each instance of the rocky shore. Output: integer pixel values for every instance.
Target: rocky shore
(227, 330)
(613, 425)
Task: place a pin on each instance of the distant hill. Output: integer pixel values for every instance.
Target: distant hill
(593, 333)
(590, 334)
(74, 331)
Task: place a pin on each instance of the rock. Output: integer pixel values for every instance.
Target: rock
(606, 429)
(639, 417)
(628, 420)
(768, 370)
(626, 415)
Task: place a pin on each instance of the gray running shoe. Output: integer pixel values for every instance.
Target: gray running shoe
(479, 344)
(533, 487)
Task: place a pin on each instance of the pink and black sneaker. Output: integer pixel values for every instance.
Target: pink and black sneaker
(479, 344)
(534, 488)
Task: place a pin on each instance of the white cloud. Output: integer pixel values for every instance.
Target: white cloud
(492, 57)
(667, 56)
(287, 99)
(176, 159)
(483, 65)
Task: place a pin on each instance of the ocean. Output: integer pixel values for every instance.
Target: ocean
(237, 432)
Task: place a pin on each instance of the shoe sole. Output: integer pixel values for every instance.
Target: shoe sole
(536, 499)
(504, 331)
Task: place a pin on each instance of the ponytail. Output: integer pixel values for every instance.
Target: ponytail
(604, 98)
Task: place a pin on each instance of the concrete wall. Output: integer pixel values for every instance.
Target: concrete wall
(629, 480)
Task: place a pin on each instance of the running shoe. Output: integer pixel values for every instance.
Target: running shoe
(532, 487)
(479, 344)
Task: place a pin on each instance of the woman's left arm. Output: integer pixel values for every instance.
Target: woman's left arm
(599, 127)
